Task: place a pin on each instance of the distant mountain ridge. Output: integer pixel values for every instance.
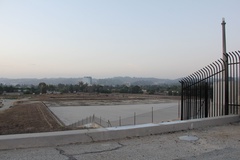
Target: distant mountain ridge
(135, 81)
(105, 81)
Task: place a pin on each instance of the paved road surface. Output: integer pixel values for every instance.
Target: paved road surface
(217, 143)
(162, 112)
(6, 103)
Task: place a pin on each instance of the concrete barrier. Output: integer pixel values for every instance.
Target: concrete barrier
(103, 134)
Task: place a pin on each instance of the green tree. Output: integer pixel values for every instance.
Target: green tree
(136, 89)
(51, 88)
(71, 88)
(124, 89)
(42, 87)
(83, 87)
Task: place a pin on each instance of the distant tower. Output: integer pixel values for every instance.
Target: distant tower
(225, 59)
(224, 39)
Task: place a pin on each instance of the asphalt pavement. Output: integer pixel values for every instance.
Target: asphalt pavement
(162, 112)
(220, 142)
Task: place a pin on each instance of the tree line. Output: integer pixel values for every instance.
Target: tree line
(43, 88)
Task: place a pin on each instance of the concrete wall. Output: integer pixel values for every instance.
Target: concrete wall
(86, 136)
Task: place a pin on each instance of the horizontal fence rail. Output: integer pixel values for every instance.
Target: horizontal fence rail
(213, 90)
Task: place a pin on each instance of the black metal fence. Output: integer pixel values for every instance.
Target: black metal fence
(213, 90)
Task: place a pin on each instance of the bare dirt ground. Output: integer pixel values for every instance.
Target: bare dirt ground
(85, 99)
(27, 118)
(29, 115)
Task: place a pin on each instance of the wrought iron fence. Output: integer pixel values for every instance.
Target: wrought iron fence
(213, 90)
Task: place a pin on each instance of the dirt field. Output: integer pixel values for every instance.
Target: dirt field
(85, 99)
(29, 115)
(27, 118)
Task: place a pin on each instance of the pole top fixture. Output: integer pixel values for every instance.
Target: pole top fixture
(223, 21)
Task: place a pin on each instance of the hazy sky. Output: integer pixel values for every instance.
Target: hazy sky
(107, 38)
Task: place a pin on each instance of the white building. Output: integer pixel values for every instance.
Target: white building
(87, 80)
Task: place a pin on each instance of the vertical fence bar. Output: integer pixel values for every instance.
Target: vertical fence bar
(198, 93)
(120, 123)
(182, 98)
(222, 89)
(226, 109)
(236, 82)
(230, 90)
(109, 124)
(195, 96)
(152, 114)
(189, 99)
(179, 107)
(220, 85)
(134, 119)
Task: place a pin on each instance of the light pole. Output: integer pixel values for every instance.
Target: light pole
(225, 59)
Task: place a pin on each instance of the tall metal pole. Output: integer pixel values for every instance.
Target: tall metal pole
(224, 39)
(225, 59)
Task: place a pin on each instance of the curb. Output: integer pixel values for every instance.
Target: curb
(103, 134)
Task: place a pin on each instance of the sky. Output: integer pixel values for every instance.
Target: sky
(108, 38)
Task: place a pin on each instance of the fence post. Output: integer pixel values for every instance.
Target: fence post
(109, 124)
(134, 118)
(152, 114)
(120, 124)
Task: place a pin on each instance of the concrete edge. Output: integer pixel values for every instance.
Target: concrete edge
(95, 135)
(53, 115)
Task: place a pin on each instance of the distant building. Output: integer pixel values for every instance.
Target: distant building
(87, 80)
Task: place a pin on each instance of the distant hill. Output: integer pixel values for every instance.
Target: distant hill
(106, 81)
(35, 81)
(135, 81)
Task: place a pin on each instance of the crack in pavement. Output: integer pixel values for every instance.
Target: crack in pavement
(89, 137)
(69, 156)
(107, 150)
